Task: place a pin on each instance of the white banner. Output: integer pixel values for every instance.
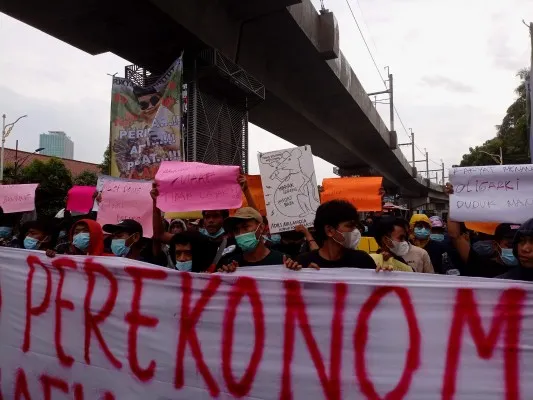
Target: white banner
(289, 186)
(106, 328)
(493, 193)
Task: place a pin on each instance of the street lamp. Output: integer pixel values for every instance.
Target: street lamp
(18, 165)
(6, 130)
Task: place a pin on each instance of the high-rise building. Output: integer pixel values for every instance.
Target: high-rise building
(57, 144)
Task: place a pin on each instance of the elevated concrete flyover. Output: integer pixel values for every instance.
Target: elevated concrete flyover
(313, 95)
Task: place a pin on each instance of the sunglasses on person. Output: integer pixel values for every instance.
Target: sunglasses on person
(153, 101)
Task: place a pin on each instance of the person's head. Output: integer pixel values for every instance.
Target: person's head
(369, 220)
(191, 252)
(148, 99)
(177, 226)
(127, 234)
(503, 243)
(7, 222)
(214, 222)
(391, 235)
(193, 225)
(523, 244)
(247, 226)
(420, 226)
(437, 229)
(336, 223)
(38, 235)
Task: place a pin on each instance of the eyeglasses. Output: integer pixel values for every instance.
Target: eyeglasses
(153, 101)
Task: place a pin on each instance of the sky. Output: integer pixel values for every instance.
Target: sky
(454, 66)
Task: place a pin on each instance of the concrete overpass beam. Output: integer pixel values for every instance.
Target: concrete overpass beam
(328, 36)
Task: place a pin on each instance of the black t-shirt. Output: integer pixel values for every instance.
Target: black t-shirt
(518, 274)
(272, 258)
(350, 258)
(483, 267)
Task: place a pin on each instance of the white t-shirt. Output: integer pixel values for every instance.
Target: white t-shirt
(419, 260)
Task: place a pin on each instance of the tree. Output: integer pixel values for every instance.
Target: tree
(54, 180)
(105, 166)
(86, 178)
(512, 135)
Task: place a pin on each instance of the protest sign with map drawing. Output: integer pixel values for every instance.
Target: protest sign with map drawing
(145, 124)
(289, 185)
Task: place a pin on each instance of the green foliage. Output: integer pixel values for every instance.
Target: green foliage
(86, 178)
(105, 166)
(512, 135)
(54, 181)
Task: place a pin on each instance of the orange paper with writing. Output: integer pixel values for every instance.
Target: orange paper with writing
(256, 188)
(488, 228)
(363, 193)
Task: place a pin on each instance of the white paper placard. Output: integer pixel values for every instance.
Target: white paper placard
(493, 193)
(289, 185)
(111, 328)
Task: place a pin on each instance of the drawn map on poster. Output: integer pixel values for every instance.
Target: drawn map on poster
(289, 185)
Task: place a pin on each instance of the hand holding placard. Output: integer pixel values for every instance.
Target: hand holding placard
(191, 186)
(17, 198)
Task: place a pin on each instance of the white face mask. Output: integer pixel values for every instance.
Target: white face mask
(351, 239)
(399, 248)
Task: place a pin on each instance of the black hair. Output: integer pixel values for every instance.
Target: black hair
(225, 213)
(203, 251)
(333, 213)
(386, 226)
(46, 225)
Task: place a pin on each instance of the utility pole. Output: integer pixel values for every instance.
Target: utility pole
(390, 92)
(443, 182)
(412, 146)
(427, 164)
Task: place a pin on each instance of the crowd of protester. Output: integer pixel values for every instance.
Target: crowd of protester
(222, 241)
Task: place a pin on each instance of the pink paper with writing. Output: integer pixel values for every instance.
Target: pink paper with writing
(191, 186)
(80, 198)
(17, 198)
(127, 200)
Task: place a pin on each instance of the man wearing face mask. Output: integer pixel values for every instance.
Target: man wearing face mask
(191, 252)
(337, 235)
(421, 235)
(86, 237)
(128, 242)
(247, 227)
(416, 257)
(38, 235)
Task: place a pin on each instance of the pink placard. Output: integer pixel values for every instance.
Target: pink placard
(191, 186)
(80, 198)
(17, 198)
(127, 200)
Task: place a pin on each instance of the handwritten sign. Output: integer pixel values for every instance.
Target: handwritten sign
(256, 189)
(494, 193)
(363, 193)
(102, 179)
(80, 198)
(127, 200)
(17, 198)
(192, 186)
(289, 186)
(113, 328)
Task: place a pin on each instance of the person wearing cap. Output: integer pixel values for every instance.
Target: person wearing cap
(127, 241)
(523, 251)
(248, 227)
(40, 234)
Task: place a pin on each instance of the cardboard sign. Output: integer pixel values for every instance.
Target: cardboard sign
(112, 328)
(363, 193)
(488, 228)
(80, 198)
(17, 198)
(289, 186)
(102, 179)
(256, 188)
(192, 186)
(493, 193)
(127, 200)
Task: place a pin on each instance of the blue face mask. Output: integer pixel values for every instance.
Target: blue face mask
(247, 241)
(220, 232)
(185, 266)
(31, 243)
(422, 233)
(62, 235)
(119, 248)
(484, 248)
(366, 229)
(5, 232)
(81, 241)
(437, 237)
(508, 257)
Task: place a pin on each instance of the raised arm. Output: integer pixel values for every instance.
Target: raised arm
(246, 190)
(157, 219)
(454, 232)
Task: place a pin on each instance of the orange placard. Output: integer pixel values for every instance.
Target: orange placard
(256, 188)
(488, 228)
(363, 193)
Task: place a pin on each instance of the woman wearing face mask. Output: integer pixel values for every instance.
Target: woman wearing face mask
(337, 235)
(86, 237)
